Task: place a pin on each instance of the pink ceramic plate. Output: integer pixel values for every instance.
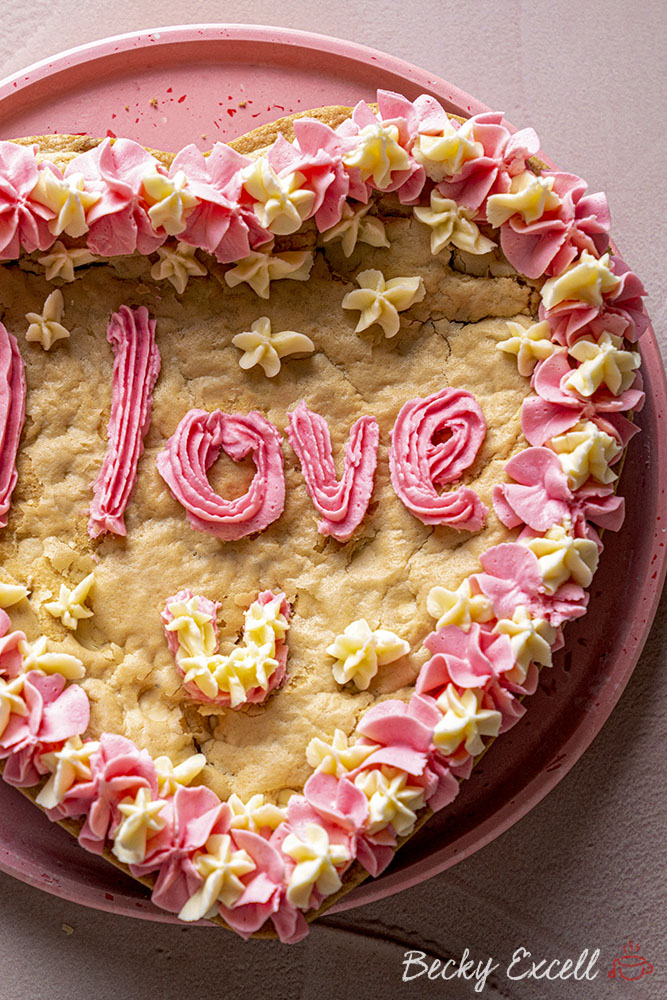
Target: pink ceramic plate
(172, 86)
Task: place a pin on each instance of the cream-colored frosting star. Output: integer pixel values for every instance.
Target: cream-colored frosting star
(141, 817)
(194, 628)
(170, 777)
(282, 202)
(529, 196)
(585, 280)
(169, 199)
(444, 155)
(562, 557)
(377, 154)
(70, 606)
(69, 764)
(11, 593)
(586, 450)
(176, 265)
(255, 814)
(603, 362)
(61, 261)
(360, 651)
(464, 721)
(356, 226)
(264, 624)
(222, 867)
(11, 702)
(391, 800)
(36, 657)
(458, 607)
(66, 197)
(262, 347)
(316, 861)
(451, 223)
(380, 301)
(531, 639)
(45, 327)
(248, 666)
(261, 267)
(338, 757)
(529, 344)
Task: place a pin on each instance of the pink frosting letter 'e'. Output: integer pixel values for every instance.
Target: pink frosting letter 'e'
(192, 450)
(12, 415)
(136, 367)
(342, 505)
(418, 461)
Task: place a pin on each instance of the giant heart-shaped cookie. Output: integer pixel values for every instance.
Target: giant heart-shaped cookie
(341, 283)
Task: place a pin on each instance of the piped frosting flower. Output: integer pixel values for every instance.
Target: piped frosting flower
(529, 197)
(586, 451)
(261, 267)
(380, 301)
(255, 814)
(176, 265)
(464, 721)
(61, 261)
(377, 154)
(69, 764)
(140, 818)
(316, 862)
(169, 199)
(357, 226)
(338, 757)
(531, 639)
(392, 800)
(529, 344)
(221, 868)
(585, 280)
(562, 557)
(67, 198)
(282, 202)
(459, 607)
(453, 224)
(602, 362)
(11, 701)
(443, 153)
(45, 327)
(262, 347)
(360, 650)
(70, 606)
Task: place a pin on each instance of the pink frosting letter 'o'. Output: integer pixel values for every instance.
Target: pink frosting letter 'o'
(192, 450)
(418, 461)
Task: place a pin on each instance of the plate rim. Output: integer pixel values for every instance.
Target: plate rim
(576, 744)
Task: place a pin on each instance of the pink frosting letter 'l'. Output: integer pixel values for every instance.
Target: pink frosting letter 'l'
(417, 461)
(12, 416)
(136, 367)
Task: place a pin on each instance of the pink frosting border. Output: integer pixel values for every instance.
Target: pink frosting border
(224, 223)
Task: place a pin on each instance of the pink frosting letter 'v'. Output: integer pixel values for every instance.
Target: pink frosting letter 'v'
(192, 450)
(136, 367)
(341, 504)
(418, 461)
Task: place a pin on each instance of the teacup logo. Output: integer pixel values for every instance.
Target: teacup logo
(630, 965)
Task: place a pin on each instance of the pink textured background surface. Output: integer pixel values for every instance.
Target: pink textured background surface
(587, 867)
